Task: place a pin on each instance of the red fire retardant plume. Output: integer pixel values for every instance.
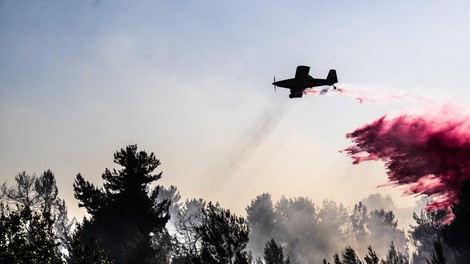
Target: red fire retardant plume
(429, 152)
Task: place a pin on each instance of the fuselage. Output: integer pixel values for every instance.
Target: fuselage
(302, 84)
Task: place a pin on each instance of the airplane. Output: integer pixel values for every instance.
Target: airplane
(302, 81)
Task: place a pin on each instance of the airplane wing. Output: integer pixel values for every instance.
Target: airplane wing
(302, 72)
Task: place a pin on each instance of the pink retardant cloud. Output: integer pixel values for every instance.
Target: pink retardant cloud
(428, 151)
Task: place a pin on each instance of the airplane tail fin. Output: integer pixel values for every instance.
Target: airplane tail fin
(332, 77)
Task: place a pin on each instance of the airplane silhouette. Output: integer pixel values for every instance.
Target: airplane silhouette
(302, 81)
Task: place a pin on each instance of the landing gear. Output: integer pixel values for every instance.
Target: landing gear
(334, 87)
(295, 95)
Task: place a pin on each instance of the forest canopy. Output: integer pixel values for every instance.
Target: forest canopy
(131, 219)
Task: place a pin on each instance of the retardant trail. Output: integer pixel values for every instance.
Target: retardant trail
(368, 95)
(428, 151)
(364, 96)
(360, 96)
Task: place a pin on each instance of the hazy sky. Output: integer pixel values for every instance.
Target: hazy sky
(191, 82)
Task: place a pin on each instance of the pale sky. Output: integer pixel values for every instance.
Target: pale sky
(191, 82)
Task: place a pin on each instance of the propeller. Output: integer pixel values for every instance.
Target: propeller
(274, 83)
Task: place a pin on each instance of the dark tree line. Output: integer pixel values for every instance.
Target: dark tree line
(132, 220)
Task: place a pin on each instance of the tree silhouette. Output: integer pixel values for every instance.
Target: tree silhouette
(32, 192)
(394, 256)
(123, 213)
(371, 257)
(336, 259)
(428, 230)
(261, 220)
(350, 257)
(223, 236)
(190, 218)
(169, 250)
(33, 221)
(274, 254)
(457, 233)
(27, 237)
(382, 227)
(359, 218)
(332, 226)
(298, 229)
(211, 234)
(87, 253)
(437, 256)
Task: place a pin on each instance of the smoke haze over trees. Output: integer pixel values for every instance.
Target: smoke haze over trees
(309, 232)
(130, 220)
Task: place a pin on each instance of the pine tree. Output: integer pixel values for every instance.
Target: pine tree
(336, 259)
(428, 229)
(29, 216)
(382, 227)
(261, 220)
(371, 257)
(437, 256)
(359, 219)
(211, 234)
(350, 257)
(456, 234)
(224, 236)
(273, 253)
(124, 212)
(394, 256)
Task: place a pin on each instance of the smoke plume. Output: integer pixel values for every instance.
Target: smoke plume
(428, 151)
(248, 142)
